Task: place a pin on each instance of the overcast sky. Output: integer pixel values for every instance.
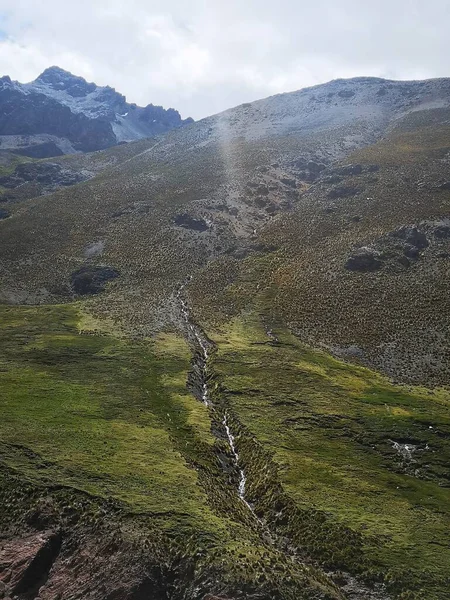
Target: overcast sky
(203, 56)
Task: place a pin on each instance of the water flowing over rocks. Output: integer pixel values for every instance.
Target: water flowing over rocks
(345, 584)
(242, 478)
(200, 385)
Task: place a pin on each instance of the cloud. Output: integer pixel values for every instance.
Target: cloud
(204, 56)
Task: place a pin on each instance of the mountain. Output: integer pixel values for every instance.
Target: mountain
(61, 113)
(217, 191)
(225, 355)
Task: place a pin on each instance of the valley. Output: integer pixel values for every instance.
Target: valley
(224, 356)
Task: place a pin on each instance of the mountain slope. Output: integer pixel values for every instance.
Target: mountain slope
(202, 281)
(60, 113)
(23, 177)
(208, 192)
(361, 265)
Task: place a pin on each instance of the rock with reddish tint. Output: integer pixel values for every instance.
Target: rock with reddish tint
(26, 562)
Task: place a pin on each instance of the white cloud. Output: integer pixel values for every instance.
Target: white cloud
(201, 57)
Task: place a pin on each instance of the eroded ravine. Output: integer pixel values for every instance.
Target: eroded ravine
(353, 588)
(242, 477)
(201, 368)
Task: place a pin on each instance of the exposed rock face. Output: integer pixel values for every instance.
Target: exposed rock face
(28, 111)
(49, 175)
(342, 192)
(91, 280)
(25, 563)
(40, 150)
(412, 236)
(401, 248)
(79, 115)
(189, 222)
(365, 259)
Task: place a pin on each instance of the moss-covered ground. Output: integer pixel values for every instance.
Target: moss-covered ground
(90, 410)
(330, 428)
(87, 412)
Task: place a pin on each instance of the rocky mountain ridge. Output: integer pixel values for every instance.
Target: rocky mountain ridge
(60, 113)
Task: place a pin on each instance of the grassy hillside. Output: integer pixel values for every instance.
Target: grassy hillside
(85, 412)
(311, 233)
(100, 414)
(395, 318)
(274, 212)
(90, 408)
(329, 429)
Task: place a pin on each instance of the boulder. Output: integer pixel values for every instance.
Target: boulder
(346, 94)
(442, 232)
(288, 181)
(92, 279)
(349, 170)
(44, 150)
(411, 251)
(413, 236)
(189, 222)
(364, 260)
(342, 192)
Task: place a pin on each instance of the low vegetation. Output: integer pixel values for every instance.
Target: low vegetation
(327, 432)
(395, 319)
(100, 437)
(283, 251)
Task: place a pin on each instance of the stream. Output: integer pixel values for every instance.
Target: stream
(204, 354)
(353, 588)
(242, 478)
(202, 366)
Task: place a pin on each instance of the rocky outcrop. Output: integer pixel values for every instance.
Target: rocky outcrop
(25, 563)
(343, 191)
(412, 237)
(46, 174)
(92, 279)
(400, 248)
(365, 259)
(29, 111)
(80, 115)
(189, 222)
(40, 150)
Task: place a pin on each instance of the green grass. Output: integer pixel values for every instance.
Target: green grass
(328, 426)
(111, 417)
(92, 413)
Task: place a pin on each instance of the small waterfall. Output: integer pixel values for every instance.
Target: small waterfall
(231, 443)
(202, 365)
(406, 452)
(204, 349)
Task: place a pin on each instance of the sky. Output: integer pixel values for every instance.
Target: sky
(203, 56)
